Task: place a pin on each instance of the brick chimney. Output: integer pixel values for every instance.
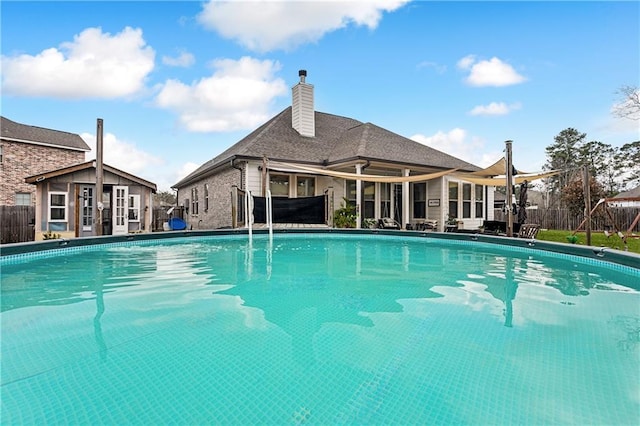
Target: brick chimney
(302, 113)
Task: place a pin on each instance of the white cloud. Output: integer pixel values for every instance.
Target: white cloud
(493, 72)
(93, 65)
(438, 68)
(236, 96)
(185, 59)
(466, 62)
(185, 170)
(267, 25)
(459, 144)
(494, 108)
(125, 156)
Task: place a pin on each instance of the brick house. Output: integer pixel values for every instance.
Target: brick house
(301, 154)
(28, 150)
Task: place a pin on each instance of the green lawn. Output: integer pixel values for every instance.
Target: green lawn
(598, 239)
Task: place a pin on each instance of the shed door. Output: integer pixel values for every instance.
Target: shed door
(120, 206)
(86, 209)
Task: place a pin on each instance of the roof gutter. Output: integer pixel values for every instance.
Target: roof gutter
(233, 164)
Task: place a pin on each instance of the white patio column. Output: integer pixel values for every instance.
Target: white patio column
(444, 205)
(358, 197)
(405, 199)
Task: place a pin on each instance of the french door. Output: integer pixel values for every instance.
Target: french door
(120, 210)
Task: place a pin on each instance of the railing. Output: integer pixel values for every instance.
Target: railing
(270, 214)
(248, 208)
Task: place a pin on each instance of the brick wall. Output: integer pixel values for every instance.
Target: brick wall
(219, 213)
(20, 160)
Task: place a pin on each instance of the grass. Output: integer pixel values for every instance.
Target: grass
(598, 239)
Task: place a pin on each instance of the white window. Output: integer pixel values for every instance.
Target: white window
(453, 200)
(369, 200)
(420, 200)
(134, 208)
(479, 201)
(194, 200)
(466, 200)
(306, 186)
(57, 207)
(279, 185)
(206, 197)
(23, 198)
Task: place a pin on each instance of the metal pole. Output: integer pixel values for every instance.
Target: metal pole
(508, 201)
(99, 176)
(587, 203)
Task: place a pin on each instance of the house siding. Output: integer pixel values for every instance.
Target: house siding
(254, 178)
(22, 159)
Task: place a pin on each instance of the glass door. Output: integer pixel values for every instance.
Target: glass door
(120, 210)
(86, 208)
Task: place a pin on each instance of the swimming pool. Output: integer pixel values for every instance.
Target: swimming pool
(318, 329)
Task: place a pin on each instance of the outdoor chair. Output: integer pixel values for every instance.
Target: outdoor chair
(529, 230)
(388, 223)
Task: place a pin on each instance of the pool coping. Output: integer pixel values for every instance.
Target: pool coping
(605, 254)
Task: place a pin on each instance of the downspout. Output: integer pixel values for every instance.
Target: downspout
(233, 164)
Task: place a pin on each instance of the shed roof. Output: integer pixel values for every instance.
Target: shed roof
(40, 136)
(337, 140)
(88, 165)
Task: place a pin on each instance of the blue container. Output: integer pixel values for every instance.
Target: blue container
(177, 224)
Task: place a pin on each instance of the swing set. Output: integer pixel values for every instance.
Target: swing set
(604, 202)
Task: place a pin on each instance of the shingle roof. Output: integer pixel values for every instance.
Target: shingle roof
(635, 192)
(337, 139)
(41, 136)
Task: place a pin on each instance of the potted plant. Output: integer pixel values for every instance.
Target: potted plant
(345, 216)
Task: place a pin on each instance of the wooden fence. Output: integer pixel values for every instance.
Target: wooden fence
(17, 224)
(160, 216)
(564, 220)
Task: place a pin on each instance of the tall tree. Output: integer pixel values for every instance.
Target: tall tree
(628, 105)
(629, 160)
(573, 194)
(603, 163)
(564, 154)
(164, 198)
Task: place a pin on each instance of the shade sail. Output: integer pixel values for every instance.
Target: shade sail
(502, 180)
(496, 169)
(295, 168)
(495, 175)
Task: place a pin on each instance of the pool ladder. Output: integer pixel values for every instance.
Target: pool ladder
(248, 206)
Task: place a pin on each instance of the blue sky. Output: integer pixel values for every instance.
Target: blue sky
(176, 83)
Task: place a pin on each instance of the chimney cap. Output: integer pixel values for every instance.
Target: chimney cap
(302, 73)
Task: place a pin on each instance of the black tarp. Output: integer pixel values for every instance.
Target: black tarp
(291, 210)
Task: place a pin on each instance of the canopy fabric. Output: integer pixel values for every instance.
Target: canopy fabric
(295, 168)
(496, 169)
(502, 180)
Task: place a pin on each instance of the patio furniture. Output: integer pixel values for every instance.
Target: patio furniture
(388, 223)
(529, 230)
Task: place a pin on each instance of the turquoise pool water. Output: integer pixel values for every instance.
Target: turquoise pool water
(318, 329)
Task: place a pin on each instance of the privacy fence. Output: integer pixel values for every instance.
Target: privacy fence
(17, 224)
(564, 219)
